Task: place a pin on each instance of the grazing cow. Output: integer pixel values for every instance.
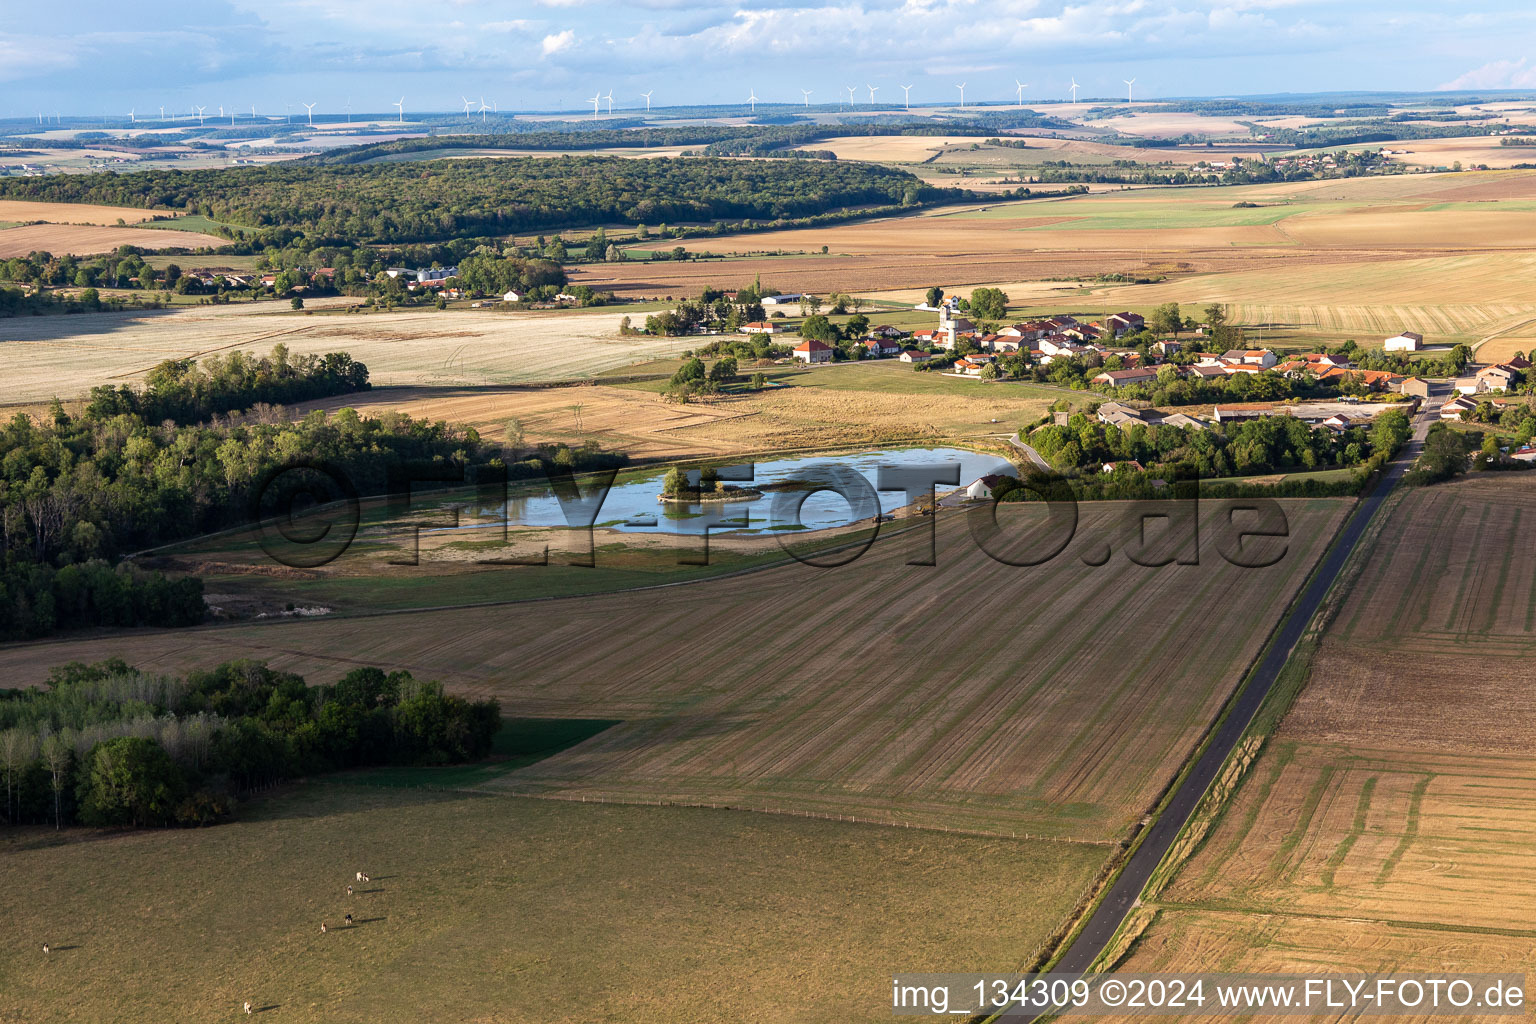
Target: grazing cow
(359, 877)
(322, 927)
(349, 920)
(366, 878)
(47, 948)
(349, 890)
(247, 1006)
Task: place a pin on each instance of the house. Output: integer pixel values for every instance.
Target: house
(878, 347)
(1121, 324)
(1526, 454)
(1124, 378)
(1498, 378)
(812, 351)
(981, 490)
(912, 355)
(1470, 386)
(1165, 348)
(512, 296)
(885, 331)
(781, 300)
(1407, 341)
(925, 336)
(968, 366)
(760, 327)
(1374, 380)
(1131, 464)
(1205, 371)
(1453, 409)
(1518, 363)
(1416, 386)
(1263, 358)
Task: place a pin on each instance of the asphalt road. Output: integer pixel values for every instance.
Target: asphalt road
(1125, 892)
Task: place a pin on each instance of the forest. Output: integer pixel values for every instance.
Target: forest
(77, 492)
(438, 200)
(109, 745)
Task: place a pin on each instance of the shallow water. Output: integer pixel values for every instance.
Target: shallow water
(633, 506)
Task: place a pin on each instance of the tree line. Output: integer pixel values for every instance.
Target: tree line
(106, 744)
(436, 200)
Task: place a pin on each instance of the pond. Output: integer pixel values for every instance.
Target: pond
(632, 505)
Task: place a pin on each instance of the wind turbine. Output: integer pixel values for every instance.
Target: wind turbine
(608, 98)
(400, 106)
(807, 94)
(200, 116)
(872, 90)
(467, 104)
(752, 99)
(231, 115)
(162, 113)
(1074, 90)
(906, 92)
(1128, 83)
(595, 101)
(1020, 94)
(850, 94)
(349, 110)
(647, 96)
(311, 108)
(131, 118)
(961, 87)
(221, 110)
(483, 109)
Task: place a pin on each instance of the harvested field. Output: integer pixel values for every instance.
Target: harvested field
(497, 902)
(25, 212)
(1386, 825)
(85, 239)
(872, 403)
(44, 356)
(878, 710)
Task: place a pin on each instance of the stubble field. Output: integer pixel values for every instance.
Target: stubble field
(1386, 825)
(891, 692)
(66, 356)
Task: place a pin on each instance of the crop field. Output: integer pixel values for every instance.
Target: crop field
(1386, 824)
(846, 404)
(66, 356)
(85, 239)
(510, 910)
(25, 212)
(861, 695)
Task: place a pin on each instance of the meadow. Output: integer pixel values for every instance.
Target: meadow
(1385, 824)
(510, 910)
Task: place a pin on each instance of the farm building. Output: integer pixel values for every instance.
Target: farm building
(812, 351)
(1498, 378)
(512, 296)
(1407, 341)
(781, 300)
(1416, 386)
(912, 355)
(1470, 385)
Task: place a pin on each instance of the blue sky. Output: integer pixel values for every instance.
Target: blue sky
(95, 56)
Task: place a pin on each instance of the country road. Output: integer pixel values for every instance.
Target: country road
(1126, 890)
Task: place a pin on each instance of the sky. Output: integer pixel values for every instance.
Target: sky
(97, 57)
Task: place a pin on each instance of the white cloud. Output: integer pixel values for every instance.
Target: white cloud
(1496, 74)
(558, 41)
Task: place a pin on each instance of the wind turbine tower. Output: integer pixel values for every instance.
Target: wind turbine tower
(906, 92)
(961, 87)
